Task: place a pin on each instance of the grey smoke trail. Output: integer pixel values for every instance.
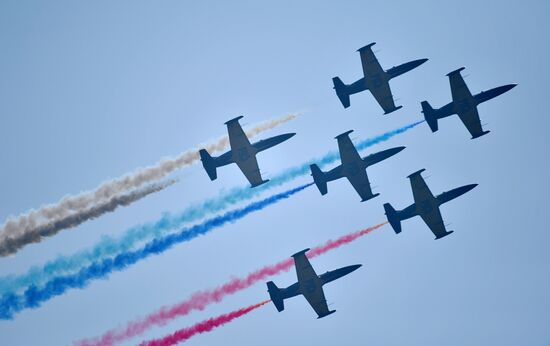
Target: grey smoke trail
(10, 245)
(71, 206)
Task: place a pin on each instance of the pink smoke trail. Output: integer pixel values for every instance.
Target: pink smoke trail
(201, 327)
(201, 299)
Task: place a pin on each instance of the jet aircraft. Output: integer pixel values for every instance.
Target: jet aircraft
(425, 205)
(309, 285)
(353, 167)
(242, 153)
(375, 79)
(464, 104)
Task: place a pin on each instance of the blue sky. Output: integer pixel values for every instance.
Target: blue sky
(92, 90)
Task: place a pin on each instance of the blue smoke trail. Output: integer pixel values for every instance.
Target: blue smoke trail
(33, 296)
(110, 246)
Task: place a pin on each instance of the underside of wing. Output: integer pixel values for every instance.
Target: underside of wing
(459, 89)
(348, 152)
(317, 301)
(370, 64)
(426, 205)
(249, 166)
(361, 184)
(435, 222)
(470, 119)
(237, 137)
(382, 94)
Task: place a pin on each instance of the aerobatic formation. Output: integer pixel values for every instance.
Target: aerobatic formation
(56, 277)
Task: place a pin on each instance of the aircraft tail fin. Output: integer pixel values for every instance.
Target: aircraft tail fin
(430, 115)
(209, 164)
(341, 91)
(393, 218)
(319, 179)
(276, 296)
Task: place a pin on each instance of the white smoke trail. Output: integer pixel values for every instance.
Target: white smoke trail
(71, 206)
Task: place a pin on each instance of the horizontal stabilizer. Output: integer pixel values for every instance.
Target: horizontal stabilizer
(209, 164)
(276, 296)
(393, 218)
(341, 91)
(319, 179)
(430, 115)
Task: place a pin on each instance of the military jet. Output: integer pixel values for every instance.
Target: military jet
(242, 153)
(353, 167)
(375, 79)
(425, 205)
(309, 285)
(464, 104)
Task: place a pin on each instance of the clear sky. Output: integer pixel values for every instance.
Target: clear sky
(92, 90)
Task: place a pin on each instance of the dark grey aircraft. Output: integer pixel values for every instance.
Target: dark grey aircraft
(375, 79)
(464, 104)
(309, 285)
(425, 205)
(242, 153)
(353, 167)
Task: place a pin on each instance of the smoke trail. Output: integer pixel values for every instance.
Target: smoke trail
(201, 327)
(77, 206)
(109, 246)
(11, 245)
(33, 296)
(201, 299)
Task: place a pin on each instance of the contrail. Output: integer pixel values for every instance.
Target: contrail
(110, 247)
(34, 296)
(201, 299)
(201, 327)
(11, 245)
(25, 226)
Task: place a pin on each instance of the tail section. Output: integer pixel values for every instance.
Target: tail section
(319, 179)
(209, 164)
(276, 296)
(393, 218)
(430, 115)
(341, 91)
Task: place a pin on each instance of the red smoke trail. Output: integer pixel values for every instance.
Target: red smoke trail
(201, 327)
(201, 299)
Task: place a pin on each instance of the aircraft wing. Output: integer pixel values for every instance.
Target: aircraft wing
(376, 80)
(427, 206)
(459, 89)
(348, 153)
(250, 169)
(237, 137)
(310, 284)
(464, 104)
(361, 184)
(243, 152)
(470, 119)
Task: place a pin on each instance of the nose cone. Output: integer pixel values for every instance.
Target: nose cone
(463, 189)
(396, 150)
(416, 63)
(286, 136)
(502, 89)
(349, 269)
